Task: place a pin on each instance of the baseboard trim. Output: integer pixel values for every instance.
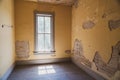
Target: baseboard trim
(90, 72)
(42, 61)
(8, 72)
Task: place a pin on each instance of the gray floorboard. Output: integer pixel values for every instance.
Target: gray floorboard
(57, 71)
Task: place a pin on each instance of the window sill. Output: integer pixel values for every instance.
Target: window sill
(43, 53)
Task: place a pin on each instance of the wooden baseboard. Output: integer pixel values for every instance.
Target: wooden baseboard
(42, 61)
(8, 72)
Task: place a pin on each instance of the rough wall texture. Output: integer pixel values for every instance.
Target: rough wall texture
(112, 66)
(22, 49)
(78, 54)
(110, 69)
(25, 23)
(114, 24)
(99, 38)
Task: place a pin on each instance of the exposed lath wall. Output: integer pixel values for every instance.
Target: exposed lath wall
(78, 54)
(113, 24)
(22, 49)
(63, 2)
(110, 69)
(88, 25)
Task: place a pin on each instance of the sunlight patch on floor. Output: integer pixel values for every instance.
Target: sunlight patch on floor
(42, 70)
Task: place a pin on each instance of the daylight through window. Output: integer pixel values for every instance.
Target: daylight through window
(44, 42)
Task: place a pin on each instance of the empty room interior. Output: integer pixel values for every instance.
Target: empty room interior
(59, 39)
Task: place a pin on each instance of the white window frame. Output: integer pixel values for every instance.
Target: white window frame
(42, 14)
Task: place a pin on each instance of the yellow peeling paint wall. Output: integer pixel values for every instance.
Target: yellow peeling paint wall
(24, 22)
(7, 56)
(99, 38)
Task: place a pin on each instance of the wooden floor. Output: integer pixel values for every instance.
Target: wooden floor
(58, 71)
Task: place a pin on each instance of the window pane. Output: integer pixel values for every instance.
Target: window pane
(40, 24)
(47, 24)
(47, 42)
(44, 42)
(41, 42)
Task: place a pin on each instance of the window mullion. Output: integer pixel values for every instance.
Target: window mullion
(51, 33)
(44, 33)
(37, 34)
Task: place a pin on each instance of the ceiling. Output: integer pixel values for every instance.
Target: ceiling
(64, 2)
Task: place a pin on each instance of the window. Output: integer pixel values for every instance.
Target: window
(44, 40)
